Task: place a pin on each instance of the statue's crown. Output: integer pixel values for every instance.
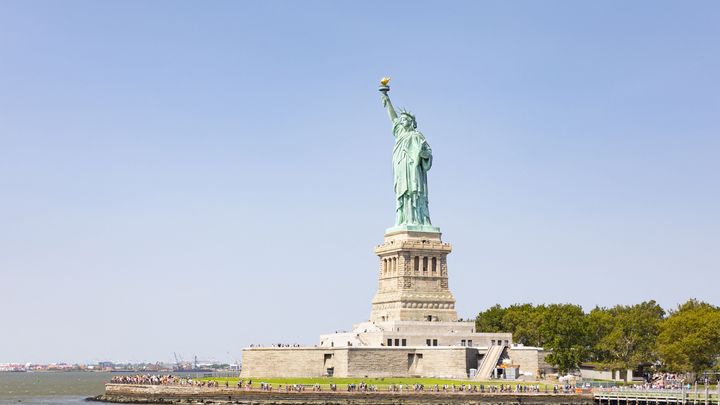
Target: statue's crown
(408, 113)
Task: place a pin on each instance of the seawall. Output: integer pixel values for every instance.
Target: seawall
(177, 394)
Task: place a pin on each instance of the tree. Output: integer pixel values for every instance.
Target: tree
(564, 328)
(689, 338)
(599, 324)
(491, 320)
(524, 321)
(624, 336)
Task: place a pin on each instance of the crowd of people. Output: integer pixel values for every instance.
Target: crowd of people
(658, 381)
(649, 387)
(145, 379)
(149, 379)
(667, 381)
(362, 387)
(277, 345)
(479, 388)
(286, 387)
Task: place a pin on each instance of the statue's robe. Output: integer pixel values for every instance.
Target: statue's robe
(412, 158)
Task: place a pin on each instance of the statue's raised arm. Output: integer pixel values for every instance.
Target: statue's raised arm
(384, 88)
(388, 105)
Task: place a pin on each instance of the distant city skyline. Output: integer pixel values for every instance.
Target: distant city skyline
(198, 177)
(112, 366)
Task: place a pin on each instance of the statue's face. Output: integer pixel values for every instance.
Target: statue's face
(406, 121)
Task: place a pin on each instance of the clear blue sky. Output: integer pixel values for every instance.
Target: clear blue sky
(194, 177)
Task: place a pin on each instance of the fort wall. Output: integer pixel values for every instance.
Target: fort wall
(360, 362)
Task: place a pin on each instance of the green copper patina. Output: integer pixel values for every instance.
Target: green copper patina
(412, 158)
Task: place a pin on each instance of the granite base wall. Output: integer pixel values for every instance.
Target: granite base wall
(449, 362)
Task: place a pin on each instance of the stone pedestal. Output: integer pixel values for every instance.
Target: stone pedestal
(413, 278)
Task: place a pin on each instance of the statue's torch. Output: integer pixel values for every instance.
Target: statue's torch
(384, 88)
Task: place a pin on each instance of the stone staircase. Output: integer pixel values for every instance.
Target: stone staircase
(362, 341)
(490, 361)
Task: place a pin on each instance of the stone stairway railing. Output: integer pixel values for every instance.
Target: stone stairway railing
(362, 340)
(489, 362)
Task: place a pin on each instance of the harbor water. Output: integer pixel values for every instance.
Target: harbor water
(62, 388)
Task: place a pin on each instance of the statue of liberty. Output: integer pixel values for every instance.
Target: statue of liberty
(411, 160)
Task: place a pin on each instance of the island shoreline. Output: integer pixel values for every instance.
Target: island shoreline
(176, 394)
